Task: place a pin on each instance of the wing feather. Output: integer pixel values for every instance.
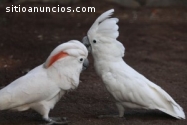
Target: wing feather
(136, 89)
(28, 89)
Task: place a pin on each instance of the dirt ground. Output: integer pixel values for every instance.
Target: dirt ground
(156, 46)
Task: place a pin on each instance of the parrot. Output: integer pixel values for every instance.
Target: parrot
(42, 87)
(130, 89)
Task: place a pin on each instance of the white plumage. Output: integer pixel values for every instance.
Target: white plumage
(129, 88)
(41, 88)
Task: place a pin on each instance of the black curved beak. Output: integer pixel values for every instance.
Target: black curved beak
(85, 64)
(86, 42)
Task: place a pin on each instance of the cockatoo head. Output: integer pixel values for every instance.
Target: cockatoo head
(68, 55)
(101, 37)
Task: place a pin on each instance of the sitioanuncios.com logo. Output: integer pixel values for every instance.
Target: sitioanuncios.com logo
(49, 9)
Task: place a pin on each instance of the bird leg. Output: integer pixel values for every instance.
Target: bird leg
(120, 109)
(44, 111)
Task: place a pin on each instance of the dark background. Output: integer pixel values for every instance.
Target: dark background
(155, 39)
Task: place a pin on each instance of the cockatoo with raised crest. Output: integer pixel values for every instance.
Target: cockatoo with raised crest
(129, 88)
(41, 88)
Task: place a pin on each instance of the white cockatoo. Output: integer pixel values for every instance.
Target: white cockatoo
(41, 88)
(129, 88)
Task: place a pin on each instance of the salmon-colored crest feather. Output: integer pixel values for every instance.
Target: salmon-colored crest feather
(56, 57)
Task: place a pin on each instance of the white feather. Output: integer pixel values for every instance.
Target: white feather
(101, 18)
(129, 88)
(104, 26)
(105, 29)
(41, 88)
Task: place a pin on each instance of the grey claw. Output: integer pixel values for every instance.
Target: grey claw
(57, 121)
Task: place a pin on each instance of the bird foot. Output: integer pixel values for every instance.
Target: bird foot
(57, 121)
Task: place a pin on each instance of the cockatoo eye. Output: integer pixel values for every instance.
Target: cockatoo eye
(81, 59)
(94, 41)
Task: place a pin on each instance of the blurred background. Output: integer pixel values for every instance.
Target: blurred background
(154, 33)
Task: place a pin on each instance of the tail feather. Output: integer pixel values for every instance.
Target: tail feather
(171, 107)
(179, 114)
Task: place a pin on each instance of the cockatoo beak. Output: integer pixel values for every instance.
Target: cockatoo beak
(85, 64)
(86, 42)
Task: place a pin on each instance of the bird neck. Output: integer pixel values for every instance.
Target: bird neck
(65, 74)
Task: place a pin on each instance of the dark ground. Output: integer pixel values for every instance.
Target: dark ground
(156, 45)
